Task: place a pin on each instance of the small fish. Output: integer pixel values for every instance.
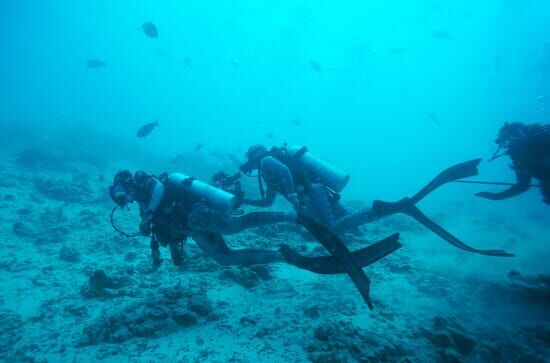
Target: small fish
(540, 99)
(150, 30)
(187, 62)
(297, 122)
(434, 119)
(96, 63)
(442, 34)
(269, 135)
(198, 147)
(147, 129)
(315, 66)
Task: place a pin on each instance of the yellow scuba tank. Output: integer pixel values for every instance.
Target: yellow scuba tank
(325, 173)
(212, 196)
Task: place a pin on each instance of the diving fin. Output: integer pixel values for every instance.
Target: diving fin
(408, 206)
(421, 218)
(463, 170)
(341, 254)
(328, 265)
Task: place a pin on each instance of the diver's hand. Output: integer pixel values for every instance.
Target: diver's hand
(145, 224)
(145, 229)
(486, 195)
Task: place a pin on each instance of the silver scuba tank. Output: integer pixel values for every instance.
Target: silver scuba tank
(212, 196)
(326, 173)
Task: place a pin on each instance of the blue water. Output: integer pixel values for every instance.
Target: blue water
(392, 92)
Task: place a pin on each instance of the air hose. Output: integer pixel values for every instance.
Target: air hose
(119, 230)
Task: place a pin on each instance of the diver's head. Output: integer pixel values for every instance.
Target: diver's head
(254, 155)
(509, 133)
(123, 189)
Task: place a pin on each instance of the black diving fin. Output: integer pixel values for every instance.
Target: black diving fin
(459, 171)
(421, 218)
(408, 206)
(328, 265)
(341, 254)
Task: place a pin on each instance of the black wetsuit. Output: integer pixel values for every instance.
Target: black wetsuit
(176, 216)
(530, 156)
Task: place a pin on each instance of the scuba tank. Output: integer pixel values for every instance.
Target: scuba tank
(318, 169)
(212, 196)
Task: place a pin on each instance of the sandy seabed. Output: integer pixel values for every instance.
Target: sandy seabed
(74, 290)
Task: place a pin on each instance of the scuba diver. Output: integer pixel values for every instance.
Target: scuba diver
(312, 186)
(174, 207)
(529, 148)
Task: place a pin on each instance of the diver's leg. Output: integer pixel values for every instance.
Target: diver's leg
(329, 212)
(215, 247)
(319, 205)
(354, 220)
(205, 219)
(176, 252)
(155, 252)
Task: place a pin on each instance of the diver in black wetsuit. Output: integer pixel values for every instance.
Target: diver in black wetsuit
(529, 148)
(178, 207)
(312, 187)
(173, 207)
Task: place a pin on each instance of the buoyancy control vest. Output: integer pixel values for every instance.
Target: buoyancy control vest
(190, 191)
(307, 168)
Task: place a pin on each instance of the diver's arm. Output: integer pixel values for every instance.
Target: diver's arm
(265, 202)
(279, 173)
(274, 169)
(521, 186)
(156, 191)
